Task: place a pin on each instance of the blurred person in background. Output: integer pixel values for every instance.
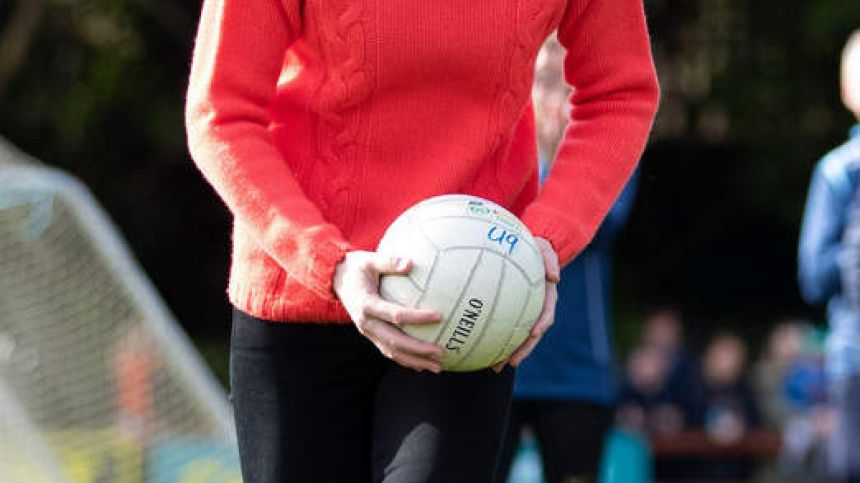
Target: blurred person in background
(728, 406)
(821, 257)
(550, 97)
(661, 380)
(784, 348)
(664, 329)
(135, 367)
(648, 406)
(790, 387)
(645, 403)
(565, 390)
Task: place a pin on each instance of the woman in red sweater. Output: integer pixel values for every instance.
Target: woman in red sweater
(318, 122)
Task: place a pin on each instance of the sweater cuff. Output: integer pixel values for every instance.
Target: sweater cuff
(322, 261)
(567, 241)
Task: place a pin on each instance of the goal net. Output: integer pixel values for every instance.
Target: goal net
(98, 383)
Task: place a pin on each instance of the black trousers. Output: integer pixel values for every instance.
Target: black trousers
(570, 435)
(318, 403)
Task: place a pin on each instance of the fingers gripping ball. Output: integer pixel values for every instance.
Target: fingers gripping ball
(476, 264)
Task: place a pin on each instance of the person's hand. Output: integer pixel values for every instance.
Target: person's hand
(547, 316)
(356, 283)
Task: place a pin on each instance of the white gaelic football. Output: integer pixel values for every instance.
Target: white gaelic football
(476, 264)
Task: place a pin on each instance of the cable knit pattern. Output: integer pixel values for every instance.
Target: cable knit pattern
(535, 20)
(319, 121)
(347, 86)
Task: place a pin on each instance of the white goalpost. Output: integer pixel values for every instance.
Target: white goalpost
(30, 458)
(98, 382)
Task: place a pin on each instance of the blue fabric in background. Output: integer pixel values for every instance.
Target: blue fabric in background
(191, 460)
(574, 359)
(831, 191)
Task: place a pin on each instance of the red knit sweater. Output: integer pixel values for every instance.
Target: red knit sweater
(319, 121)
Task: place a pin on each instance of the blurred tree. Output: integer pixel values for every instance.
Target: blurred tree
(750, 102)
(99, 92)
(16, 38)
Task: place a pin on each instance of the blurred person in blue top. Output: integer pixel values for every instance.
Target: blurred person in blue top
(791, 388)
(822, 257)
(565, 390)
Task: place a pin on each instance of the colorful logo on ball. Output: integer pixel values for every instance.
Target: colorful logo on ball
(478, 208)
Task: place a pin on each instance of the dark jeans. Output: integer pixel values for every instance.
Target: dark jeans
(570, 435)
(318, 403)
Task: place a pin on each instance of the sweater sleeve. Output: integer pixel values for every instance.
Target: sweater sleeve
(237, 61)
(609, 66)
